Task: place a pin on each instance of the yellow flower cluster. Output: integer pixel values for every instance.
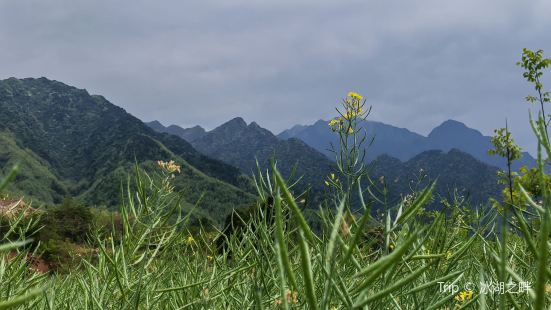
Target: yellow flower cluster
(336, 124)
(464, 295)
(352, 112)
(190, 240)
(170, 166)
(353, 105)
(355, 96)
(353, 109)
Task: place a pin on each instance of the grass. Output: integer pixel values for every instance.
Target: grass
(154, 265)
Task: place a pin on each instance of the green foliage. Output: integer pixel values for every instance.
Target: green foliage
(35, 178)
(504, 145)
(534, 63)
(70, 143)
(70, 221)
(456, 172)
(529, 181)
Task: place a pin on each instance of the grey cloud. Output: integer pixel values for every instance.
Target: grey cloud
(285, 62)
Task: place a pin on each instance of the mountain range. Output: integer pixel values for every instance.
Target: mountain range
(241, 145)
(404, 144)
(244, 145)
(71, 143)
(455, 172)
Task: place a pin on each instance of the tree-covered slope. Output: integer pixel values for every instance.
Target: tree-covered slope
(35, 178)
(89, 143)
(188, 134)
(454, 170)
(241, 145)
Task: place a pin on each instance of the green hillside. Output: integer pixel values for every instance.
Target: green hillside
(456, 172)
(35, 178)
(84, 146)
(243, 146)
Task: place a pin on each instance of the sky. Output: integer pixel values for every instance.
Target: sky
(281, 63)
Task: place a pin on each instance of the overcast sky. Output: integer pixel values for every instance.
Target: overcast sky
(188, 62)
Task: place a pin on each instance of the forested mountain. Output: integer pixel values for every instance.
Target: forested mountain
(404, 144)
(72, 143)
(188, 134)
(473, 179)
(241, 145)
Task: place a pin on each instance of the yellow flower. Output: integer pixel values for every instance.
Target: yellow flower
(350, 114)
(190, 240)
(332, 176)
(326, 183)
(333, 122)
(350, 130)
(170, 166)
(449, 254)
(210, 258)
(354, 95)
(464, 295)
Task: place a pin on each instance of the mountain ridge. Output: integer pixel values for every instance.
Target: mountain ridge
(404, 144)
(234, 140)
(91, 145)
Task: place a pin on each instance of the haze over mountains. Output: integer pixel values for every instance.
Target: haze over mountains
(404, 144)
(240, 145)
(393, 141)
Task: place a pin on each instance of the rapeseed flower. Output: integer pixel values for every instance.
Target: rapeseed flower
(333, 122)
(336, 123)
(355, 96)
(170, 166)
(464, 295)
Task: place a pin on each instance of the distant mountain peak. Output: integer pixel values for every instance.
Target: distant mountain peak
(155, 123)
(405, 144)
(196, 127)
(237, 121)
(188, 134)
(451, 127)
(254, 125)
(452, 122)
